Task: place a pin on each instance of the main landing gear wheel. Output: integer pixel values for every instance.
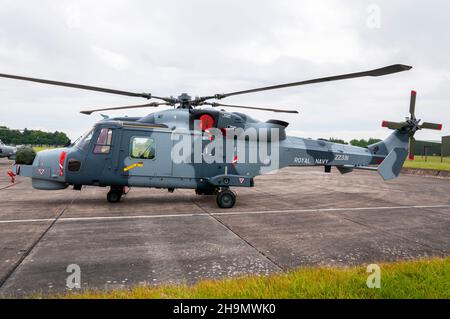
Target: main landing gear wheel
(114, 195)
(226, 198)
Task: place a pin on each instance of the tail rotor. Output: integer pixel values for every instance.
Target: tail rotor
(411, 125)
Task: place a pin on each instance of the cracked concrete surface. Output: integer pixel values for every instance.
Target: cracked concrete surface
(299, 217)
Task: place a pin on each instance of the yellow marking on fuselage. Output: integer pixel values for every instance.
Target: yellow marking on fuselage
(139, 164)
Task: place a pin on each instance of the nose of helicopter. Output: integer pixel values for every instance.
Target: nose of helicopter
(47, 170)
(53, 161)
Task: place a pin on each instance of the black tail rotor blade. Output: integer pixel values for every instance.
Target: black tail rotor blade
(376, 72)
(154, 104)
(79, 86)
(251, 108)
(412, 105)
(412, 142)
(393, 125)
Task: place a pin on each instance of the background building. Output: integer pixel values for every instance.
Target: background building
(433, 148)
(446, 145)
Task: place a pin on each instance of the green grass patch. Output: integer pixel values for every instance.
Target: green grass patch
(428, 278)
(431, 162)
(42, 148)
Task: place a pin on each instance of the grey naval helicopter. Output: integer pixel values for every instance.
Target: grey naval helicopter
(124, 152)
(7, 151)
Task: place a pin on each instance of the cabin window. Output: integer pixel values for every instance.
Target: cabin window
(103, 145)
(142, 147)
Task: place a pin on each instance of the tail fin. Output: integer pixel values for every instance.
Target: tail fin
(395, 150)
(392, 165)
(398, 139)
(390, 154)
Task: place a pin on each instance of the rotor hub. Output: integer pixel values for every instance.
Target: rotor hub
(185, 101)
(413, 125)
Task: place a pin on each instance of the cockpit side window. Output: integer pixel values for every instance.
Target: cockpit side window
(104, 141)
(84, 141)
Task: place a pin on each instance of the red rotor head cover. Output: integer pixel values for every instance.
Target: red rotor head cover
(206, 122)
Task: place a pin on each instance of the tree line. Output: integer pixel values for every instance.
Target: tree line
(356, 142)
(32, 137)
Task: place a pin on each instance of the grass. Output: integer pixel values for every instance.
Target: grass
(427, 278)
(42, 148)
(432, 162)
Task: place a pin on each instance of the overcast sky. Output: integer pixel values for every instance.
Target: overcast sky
(206, 47)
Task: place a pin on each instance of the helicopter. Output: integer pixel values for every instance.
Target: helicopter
(125, 152)
(7, 151)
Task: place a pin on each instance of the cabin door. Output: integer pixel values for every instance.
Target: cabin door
(145, 153)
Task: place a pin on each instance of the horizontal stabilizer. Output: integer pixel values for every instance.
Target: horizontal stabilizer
(392, 165)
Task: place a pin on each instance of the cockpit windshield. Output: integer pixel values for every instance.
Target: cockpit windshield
(84, 140)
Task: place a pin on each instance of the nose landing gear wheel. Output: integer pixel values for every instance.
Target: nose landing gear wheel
(226, 199)
(114, 195)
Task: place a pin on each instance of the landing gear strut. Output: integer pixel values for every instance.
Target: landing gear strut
(226, 198)
(115, 194)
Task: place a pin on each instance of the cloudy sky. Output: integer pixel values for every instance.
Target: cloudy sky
(204, 47)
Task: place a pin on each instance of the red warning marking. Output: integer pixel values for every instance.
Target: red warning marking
(12, 177)
(379, 160)
(62, 158)
(235, 160)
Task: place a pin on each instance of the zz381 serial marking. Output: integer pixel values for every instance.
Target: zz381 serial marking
(341, 157)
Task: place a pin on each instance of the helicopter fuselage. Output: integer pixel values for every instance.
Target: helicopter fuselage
(7, 151)
(140, 153)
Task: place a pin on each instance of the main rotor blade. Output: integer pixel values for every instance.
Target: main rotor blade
(412, 104)
(376, 72)
(79, 86)
(154, 104)
(251, 107)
